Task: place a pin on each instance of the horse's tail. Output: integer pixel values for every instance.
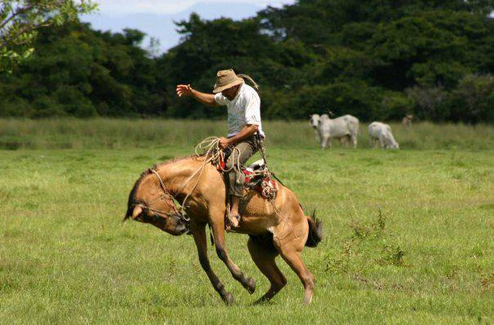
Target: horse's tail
(315, 231)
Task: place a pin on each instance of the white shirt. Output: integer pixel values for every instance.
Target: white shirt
(244, 109)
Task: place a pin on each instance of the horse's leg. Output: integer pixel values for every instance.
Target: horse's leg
(291, 253)
(264, 257)
(219, 241)
(199, 234)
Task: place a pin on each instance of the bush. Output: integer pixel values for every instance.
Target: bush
(347, 97)
(473, 100)
(429, 103)
(394, 106)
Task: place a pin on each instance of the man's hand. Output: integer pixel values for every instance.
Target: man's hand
(184, 90)
(246, 132)
(224, 143)
(188, 91)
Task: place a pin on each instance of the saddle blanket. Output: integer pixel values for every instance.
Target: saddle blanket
(258, 178)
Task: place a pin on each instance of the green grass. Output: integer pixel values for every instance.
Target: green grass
(409, 233)
(118, 134)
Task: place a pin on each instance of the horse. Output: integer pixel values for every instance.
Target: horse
(275, 227)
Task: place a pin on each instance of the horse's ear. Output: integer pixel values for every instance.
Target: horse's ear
(137, 211)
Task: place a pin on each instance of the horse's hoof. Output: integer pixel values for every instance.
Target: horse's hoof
(228, 299)
(260, 301)
(307, 301)
(251, 287)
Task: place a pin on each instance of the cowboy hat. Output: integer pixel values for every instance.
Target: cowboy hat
(226, 79)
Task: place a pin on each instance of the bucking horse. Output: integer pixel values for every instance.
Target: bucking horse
(275, 227)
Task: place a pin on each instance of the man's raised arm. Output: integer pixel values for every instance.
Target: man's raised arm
(187, 90)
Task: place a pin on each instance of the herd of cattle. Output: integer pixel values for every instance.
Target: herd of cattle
(345, 129)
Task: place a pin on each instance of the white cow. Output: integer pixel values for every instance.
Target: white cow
(314, 122)
(343, 128)
(381, 133)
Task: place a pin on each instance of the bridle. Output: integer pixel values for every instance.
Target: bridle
(212, 143)
(166, 195)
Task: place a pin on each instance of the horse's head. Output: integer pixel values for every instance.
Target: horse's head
(149, 202)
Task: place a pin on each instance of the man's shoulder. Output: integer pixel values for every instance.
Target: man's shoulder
(248, 91)
(220, 99)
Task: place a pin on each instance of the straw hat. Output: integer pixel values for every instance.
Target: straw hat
(226, 79)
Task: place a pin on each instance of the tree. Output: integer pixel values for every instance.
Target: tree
(20, 21)
(473, 100)
(79, 72)
(375, 59)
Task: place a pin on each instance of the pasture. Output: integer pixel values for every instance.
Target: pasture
(409, 233)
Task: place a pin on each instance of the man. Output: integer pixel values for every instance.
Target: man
(244, 120)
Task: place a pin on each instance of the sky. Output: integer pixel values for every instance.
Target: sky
(124, 7)
(156, 17)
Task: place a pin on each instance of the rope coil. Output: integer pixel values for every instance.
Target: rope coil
(211, 150)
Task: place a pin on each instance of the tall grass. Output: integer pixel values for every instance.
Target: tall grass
(126, 133)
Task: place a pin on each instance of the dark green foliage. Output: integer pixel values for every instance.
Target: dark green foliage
(473, 99)
(377, 60)
(78, 72)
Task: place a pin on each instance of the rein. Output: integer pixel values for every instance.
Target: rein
(213, 153)
(167, 193)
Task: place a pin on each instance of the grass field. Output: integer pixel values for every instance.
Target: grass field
(409, 232)
(121, 134)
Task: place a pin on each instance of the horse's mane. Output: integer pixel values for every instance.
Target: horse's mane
(132, 200)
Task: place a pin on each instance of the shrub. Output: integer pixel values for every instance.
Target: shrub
(473, 100)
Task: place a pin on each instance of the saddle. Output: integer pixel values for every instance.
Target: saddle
(257, 178)
(260, 179)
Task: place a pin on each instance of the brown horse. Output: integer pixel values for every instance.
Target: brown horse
(275, 227)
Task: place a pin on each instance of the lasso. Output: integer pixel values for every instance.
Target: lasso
(211, 150)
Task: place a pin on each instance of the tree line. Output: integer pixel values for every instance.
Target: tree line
(375, 59)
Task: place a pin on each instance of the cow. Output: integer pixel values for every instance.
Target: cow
(314, 122)
(381, 133)
(344, 128)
